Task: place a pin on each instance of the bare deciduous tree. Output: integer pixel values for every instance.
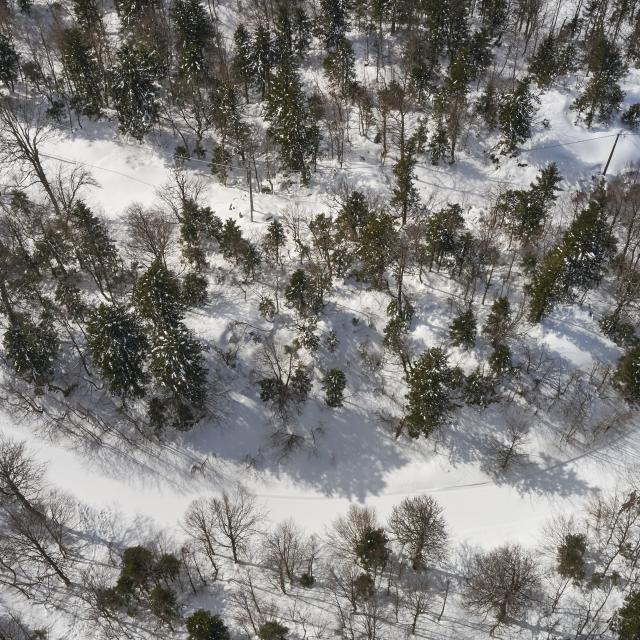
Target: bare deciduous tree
(501, 582)
(286, 552)
(200, 524)
(150, 234)
(418, 525)
(236, 519)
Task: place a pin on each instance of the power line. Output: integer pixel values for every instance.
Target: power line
(571, 142)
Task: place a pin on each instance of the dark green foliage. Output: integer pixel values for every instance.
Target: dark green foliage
(602, 96)
(429, 400)
(515, 114)
(303, 294)
(81, 67)
(499, 321)
(129, 11)
(199, 227)
(136, 571)
(134, 90)
(443, 234)
(31, 349)
(194, 290)
(334, 385)
(378, 243)
(273, 630)
(339, 67)
(290, 124)
(500, 359)
(353, 214)
(616, 328)
(164, 604)
(157, 295)
(552, 59)
(439, 143)
(405, 195)
(463, 330)
(176, 364)
(526, 211)
(332, 22)
(87, 14)
(94, 249)
(487, 106)
(570, 556)
(307, 581)
(9, 60)
(627, 621)
(262, 58)
(631, 117)
(193, 30)
(627, 375)
(577, 263)
(371, 549)
(274, 241)
(291, 387)
(242, 58)
(480, 389)
(118, 348)
(202, 625)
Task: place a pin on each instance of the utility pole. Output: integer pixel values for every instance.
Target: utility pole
(250, 191)
(606, 166)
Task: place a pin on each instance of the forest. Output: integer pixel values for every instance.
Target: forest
(279, 279)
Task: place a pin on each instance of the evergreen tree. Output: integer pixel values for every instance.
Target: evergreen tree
(202, 625)
(289, 120)
(163, 603)
(176, 364)
(499, 321)
(429, 400)
(353, 214)
(439, 143)
(302, 294)
(134, 89)
(631, 117)
(378, 243)
(443, 233)
(273, 630)
(262, 58)
(94, 249)
(627, 375)
(193, 31)
(243, 58)
(405, 195)
(548, 62)
(274, 241)
(157, 295)
(88, 15)
(500, 359)
(332, 22)
(463, 330)
(31, 349)
(334, 385)
(371, 549)
(339, 67)
(515, 113)
(199, 227)
(570, 556)
(130, 11)
(118, 348)
(487, 106)
(627, 620)
(82, 70)
(602, 95)
(9, 61)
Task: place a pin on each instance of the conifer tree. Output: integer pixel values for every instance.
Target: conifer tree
(302, 294)
(193, 31)
(499, 321)
(262, 58)
(463, 330)
(199, 227)
(242, 58)
(202, 625)
(157, 295)
(274, 241)
(31, 349)
(176, 364)
(134, 89)
(602, 96)
(130, 11)
(378, 243)
(289, 120)
(515, 114)
(88, 15)
(118, 348)
(627, 375)
(405, 195)
(339, 67)
(9, 60)
(429, 400)
(627, 620)
(82, 70)
(332, 22)
(439, 143)
(353, 214)
(334, 385)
